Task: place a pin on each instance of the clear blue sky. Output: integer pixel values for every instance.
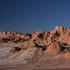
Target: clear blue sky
(33, 15)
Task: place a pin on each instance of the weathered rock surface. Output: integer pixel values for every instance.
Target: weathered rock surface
(36, 46)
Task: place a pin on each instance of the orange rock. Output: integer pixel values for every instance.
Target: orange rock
(27, 44)
(53, 49)
(45, 42)
(66, 56)
(35, 35)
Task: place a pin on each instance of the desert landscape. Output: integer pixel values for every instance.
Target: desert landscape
(42, 50)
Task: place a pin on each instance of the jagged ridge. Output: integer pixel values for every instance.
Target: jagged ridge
(38, 45)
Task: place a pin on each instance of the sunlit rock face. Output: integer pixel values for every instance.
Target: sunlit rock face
(35, 35)
(53, 49)
(60, 34)
(41, 49)
(27, 44)
(43, 37)
(35, 46)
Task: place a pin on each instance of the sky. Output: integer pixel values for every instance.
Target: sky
(33, 15)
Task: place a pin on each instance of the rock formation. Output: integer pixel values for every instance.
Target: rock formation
(54, 42)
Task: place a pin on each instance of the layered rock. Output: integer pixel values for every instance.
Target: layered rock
(39, 47)
(52, 40)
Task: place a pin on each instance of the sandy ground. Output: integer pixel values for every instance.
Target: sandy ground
(53, 64)
(30, 67)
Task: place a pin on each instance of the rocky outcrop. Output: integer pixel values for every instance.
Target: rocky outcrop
(37, 47)
(14, 36)
(54, 42)
(53, 49)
